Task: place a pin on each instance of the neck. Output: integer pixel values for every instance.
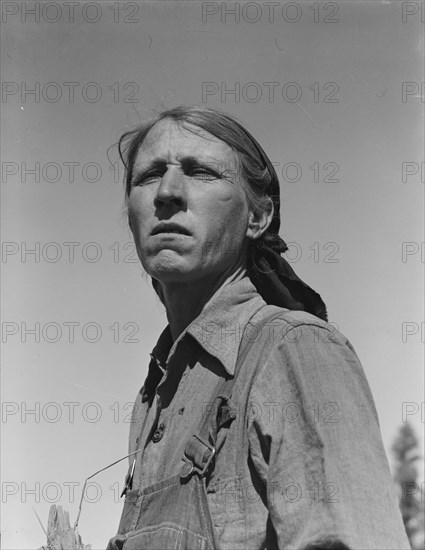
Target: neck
(185, 301)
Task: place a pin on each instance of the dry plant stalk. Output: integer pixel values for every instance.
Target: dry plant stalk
(60, 534)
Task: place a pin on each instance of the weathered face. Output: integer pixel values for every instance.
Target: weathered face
(188, 179)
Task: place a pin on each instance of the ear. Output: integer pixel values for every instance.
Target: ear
(258, 222)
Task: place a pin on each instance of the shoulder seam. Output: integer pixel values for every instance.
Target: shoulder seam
(295, 323)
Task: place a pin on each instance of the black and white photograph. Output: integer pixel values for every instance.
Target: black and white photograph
(212, 256)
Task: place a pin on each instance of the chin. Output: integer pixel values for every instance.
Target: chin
(168, 267)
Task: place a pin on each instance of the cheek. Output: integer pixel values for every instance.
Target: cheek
(137, 209)
(228, 221)
(234, 213)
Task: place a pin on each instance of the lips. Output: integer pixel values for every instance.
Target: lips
(170, 227)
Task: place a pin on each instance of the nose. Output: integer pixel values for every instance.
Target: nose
(171, 190)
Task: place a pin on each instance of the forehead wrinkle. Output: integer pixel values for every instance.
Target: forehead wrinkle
(194, 145)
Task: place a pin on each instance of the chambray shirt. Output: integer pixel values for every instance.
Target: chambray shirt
(309, 470)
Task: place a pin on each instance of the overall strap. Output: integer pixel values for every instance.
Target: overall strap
(200, 450)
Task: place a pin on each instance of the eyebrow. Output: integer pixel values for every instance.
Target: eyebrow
(187, 162)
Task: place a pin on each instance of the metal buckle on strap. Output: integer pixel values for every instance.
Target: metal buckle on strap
(209, 460)
(192, 455)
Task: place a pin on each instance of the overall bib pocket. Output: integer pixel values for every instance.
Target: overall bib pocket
(170, 515)
(164, 536)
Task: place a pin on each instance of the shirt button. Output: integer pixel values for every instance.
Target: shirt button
(158, 433)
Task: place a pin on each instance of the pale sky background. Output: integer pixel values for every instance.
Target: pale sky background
(168, 52)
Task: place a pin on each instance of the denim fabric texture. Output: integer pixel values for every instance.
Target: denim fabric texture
(300, 463)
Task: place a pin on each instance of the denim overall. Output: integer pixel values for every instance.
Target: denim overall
(174, 514)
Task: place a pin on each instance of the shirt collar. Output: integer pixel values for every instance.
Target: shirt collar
(219, 327)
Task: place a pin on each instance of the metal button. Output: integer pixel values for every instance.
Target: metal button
(186, 469)
(158, 433)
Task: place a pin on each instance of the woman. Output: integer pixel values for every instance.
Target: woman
(255, 427)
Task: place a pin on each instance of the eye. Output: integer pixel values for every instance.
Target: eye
(200, 173)
(148, 177)
(203, 174)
